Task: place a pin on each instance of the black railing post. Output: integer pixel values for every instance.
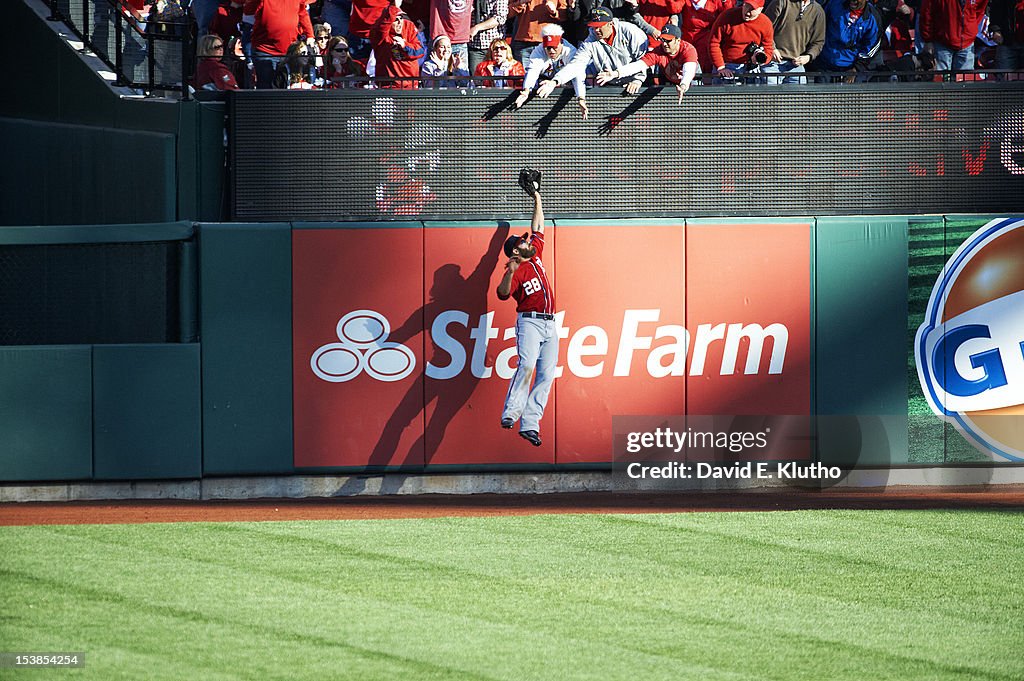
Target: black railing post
(85, 25)
(150, 61)
(186, 61)
(119, 49)
(54, 12)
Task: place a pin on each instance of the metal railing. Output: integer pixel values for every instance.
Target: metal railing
(145, 55)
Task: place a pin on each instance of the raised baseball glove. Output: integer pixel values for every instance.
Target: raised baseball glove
(529, 180)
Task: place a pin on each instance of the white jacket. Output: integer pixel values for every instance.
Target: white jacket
(539, 62)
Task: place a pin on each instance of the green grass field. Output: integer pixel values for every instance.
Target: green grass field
(785, 595)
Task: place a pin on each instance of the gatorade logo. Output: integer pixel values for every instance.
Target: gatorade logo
(363, 347)
(970, 348)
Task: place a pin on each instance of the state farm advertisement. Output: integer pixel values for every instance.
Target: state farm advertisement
(403, 352)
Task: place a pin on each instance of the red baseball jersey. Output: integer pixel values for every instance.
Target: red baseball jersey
(530, 285)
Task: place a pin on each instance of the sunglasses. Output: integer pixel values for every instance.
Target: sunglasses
(500, 48)
(323, 38)
(340, 49)
(218, 46)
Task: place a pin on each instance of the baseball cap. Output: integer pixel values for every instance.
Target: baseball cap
(513, 241)
(551, 35)
(755, 3)
(670, 30)
(601, 16)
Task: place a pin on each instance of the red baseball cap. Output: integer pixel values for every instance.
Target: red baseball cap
(551, 40)
(754, 3)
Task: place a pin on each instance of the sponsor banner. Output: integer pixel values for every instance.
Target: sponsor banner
(624, 348)
(358, 346)
(403, 352)
(748, 306)
(969, 350)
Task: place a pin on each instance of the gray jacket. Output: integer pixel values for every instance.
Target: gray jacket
(628, 45)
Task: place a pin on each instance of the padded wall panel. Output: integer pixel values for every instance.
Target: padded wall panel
(358, 398)
(146, 412)
(861, 362)
(245, 322)
(624, 306)
(45, 413)
(70, 174)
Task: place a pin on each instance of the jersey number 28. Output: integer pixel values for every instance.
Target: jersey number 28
(531, 286)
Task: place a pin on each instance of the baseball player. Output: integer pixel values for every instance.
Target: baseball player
(527, 281)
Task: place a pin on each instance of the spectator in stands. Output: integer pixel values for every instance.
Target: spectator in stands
(696, 19)
(531, 16)
(676, 60)
(211, 72)
(441, 68)
(577, 14)
(397, 50)
(1008, 21)
(322, 36)
(611, 45)
(167, 18)
(628, 12)
(896, 27)
(851, 37)
(948, 28)
(742, 40)
(500, 62)
(205, 13)
(489, 17)
(365, 15)
(276, 26)
(452, 18)
(226, 20)
(238, 63)
(336, 13)
(799, 35)
(342, 70)
(552, 55)
(657, 12)
(296, 71)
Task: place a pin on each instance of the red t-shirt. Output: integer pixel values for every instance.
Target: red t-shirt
(530, 286)
(657, 57)
(278, 24)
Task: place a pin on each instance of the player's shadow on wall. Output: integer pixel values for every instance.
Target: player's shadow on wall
(449, 291)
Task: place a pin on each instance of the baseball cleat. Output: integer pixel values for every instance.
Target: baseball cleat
(507, 424)
(532, 436)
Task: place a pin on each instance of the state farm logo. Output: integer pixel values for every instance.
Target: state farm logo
(363, 347)
(746, 348)
(970, 348)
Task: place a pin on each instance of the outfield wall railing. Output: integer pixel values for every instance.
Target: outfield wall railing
(826, 318)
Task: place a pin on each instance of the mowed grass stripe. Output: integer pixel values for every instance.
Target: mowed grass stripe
(393, 606)
(783, 595)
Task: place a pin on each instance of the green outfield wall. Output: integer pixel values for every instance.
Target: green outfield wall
(203, 382)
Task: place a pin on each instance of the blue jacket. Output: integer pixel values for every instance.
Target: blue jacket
(846, 41)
